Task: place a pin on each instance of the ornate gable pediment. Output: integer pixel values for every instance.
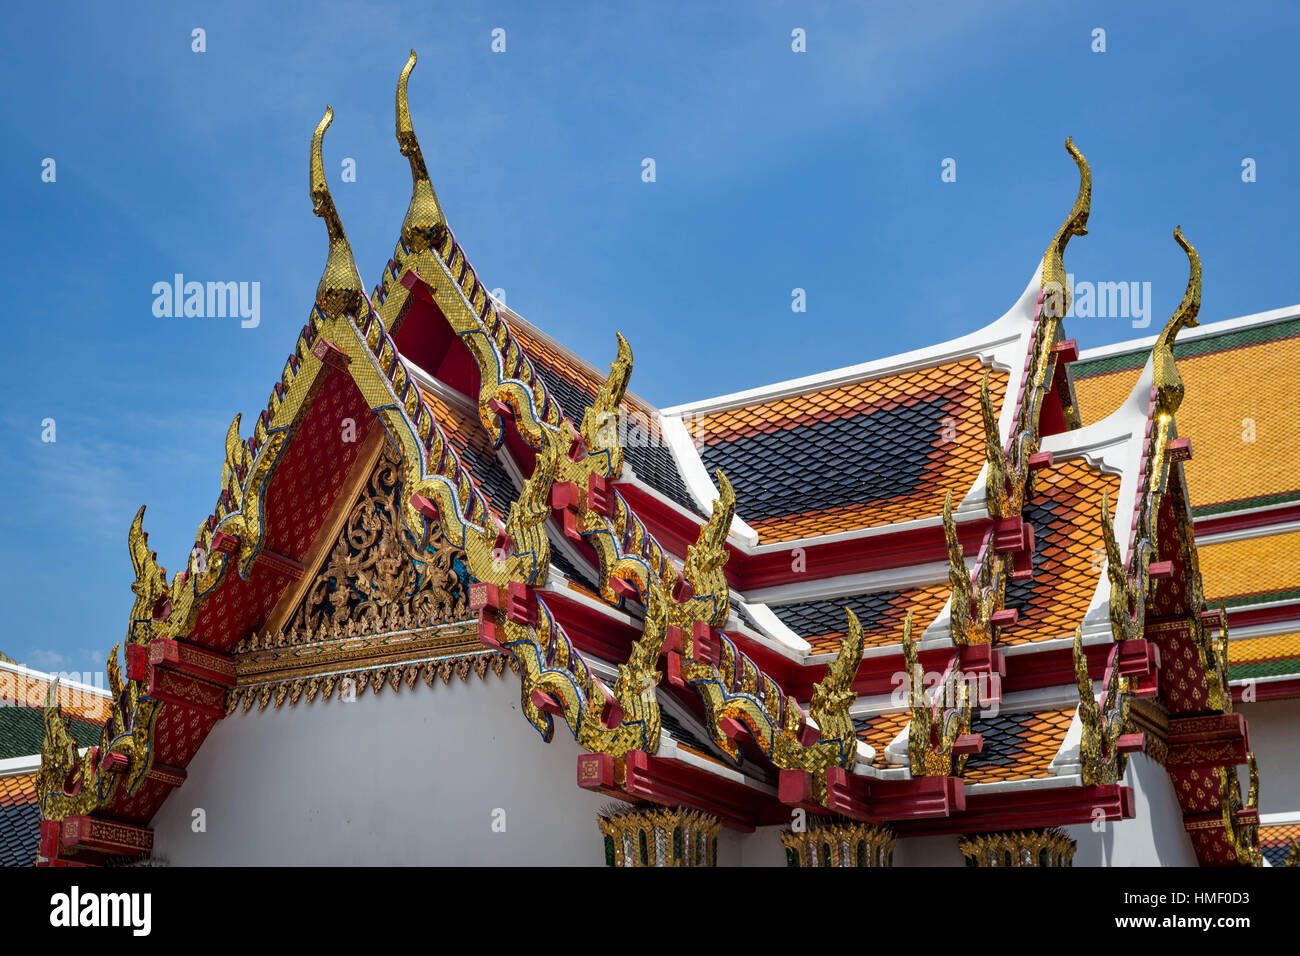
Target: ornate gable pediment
(377, 608)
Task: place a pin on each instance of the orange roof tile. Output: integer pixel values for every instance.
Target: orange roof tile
(930, 417)
(1276, 839)
(925, 604)
(1239, 413)
(1018, 746)
(1264, 656)
(880, 730)
(19, 788)
(27, 690)
(1069, 556)
(1250, 567)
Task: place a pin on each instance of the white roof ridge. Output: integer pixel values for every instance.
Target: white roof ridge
(1204, 331)
(49, 678)
(984, 341)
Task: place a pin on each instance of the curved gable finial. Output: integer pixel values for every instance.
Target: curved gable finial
(1165, 377)
(424, 225)
(340, 290)
(1076, 224)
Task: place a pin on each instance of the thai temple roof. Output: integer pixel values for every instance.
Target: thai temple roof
(997, 510)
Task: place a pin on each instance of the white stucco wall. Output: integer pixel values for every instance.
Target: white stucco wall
(1154, 837)
(403, 778)
(1272, 728)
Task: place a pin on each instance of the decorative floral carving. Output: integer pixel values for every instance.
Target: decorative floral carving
(838, 843)
(1019, 848)
(675, 836)
(376, 579)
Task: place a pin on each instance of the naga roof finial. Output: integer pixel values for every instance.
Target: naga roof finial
(341, 290)
(424, 224)
(1165, 377)
(1076, 224)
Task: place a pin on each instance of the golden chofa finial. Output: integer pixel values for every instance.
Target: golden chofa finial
(341, 291)
(424, 225)
(1055, 293)
(1165, 377)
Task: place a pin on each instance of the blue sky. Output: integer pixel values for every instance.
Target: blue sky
(775, 170)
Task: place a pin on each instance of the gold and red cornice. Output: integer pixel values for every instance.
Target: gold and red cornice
(572, 480)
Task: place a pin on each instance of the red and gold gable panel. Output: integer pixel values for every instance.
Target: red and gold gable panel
(882, 613)
(1239, 410)
(1018, 746)
(1251, 570)
(854, 456)
(1264, 656)
(1069, 553)
(301, 496)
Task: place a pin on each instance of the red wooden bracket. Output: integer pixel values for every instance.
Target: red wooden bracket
(425, 506)
(115, 763)
(546, 702)
(707, 645)
(1041, 459)
(600, 495)
(225, 543)
(682, 590)
(281, 564)
(968, 744)
(795, 787)
(1066, 350)
(624, 589)
(520, 606)
(732, 728)
(596, 771)
(1131, 743)
(192, 659)
(501, 409)
(485, 599)
(673, 670)
(1180, 449)
(1008, 534)
(564, 494)
(1161, 570)
(483, 595)
(137, 662)
(1022, 563)
(1007, 617)
(331, 355)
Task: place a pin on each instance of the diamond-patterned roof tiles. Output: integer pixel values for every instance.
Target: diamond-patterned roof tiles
(881, 614)
(1275, 841)
(1239, 411)
(1264, 656)
(852, 456)
(470, 441)
(1069, 553)
(1018, 746)
(22, 729)
(1251, 570)
(574, 385)
(30, 690)
(20, 826)
(879, 731)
